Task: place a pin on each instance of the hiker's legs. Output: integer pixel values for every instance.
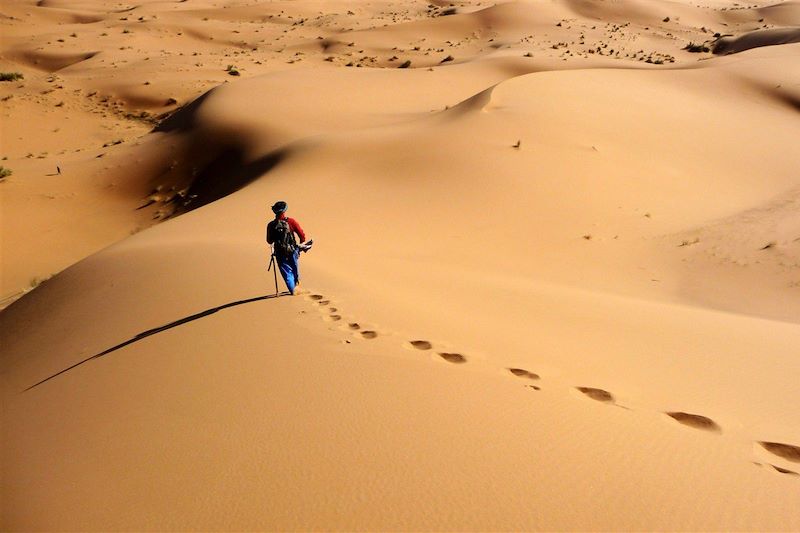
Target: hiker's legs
(287, 267)
(296, 266)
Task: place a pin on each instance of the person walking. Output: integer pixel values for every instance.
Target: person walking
(285, 248)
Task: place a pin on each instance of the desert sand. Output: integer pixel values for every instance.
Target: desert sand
(555, 285)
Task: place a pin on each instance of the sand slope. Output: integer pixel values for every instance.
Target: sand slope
(554, 286)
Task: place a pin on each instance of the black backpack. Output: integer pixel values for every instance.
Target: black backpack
(285, 243)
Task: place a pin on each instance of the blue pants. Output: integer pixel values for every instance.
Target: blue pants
(290, 269)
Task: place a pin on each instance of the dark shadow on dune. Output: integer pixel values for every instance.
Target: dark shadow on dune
(790, 100)
(149, 332)
(779, 94)
(183, 118)
(227, 173)
(220, 166)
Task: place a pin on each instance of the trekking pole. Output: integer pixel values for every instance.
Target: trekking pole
(274, 268)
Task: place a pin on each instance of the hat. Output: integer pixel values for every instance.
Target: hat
(279, 207)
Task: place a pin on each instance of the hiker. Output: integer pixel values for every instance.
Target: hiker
(281, 235)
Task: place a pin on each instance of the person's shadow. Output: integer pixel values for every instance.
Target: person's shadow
(159, 329)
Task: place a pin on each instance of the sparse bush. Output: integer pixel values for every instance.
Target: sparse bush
(4, 173)
(11, 76)
(696, 48)
(232, 71)
(35, 282)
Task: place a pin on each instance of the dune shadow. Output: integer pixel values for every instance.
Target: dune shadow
(227, 173)
(149, 332)
(185, 117)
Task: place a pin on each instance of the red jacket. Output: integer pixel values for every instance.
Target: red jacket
(293, 224)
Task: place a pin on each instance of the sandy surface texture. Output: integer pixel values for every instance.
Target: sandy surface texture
(555, 282)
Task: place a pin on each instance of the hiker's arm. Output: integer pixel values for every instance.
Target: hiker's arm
(297, 229)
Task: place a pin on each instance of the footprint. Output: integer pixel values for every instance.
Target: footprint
(333, 318)
(452, 357)
(695, 421)
(522, 373)
(323, 302)
(332, 310)
(420, 345)
(354, 326)
(787, 451)
(597, 394)
(534, 387)
(316, 297)
(785, 470)
(368, 334)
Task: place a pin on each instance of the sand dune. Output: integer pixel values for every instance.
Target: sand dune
(784, 13)
(54, 62)
(554, 285)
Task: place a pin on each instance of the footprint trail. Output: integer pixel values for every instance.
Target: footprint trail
(695, 421)
(599, 395)
(784, 451)
(420, 345)
(451, 357)
(522, 373)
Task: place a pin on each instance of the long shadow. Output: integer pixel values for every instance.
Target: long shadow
(145, 334)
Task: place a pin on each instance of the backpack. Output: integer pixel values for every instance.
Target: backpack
(285, 243)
